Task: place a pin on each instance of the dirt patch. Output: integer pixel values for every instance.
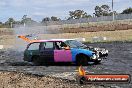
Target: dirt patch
(96, 28)
(6, 31)
(21, 80)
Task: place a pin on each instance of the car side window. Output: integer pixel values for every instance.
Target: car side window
(49, 45)
(34, 46)
(46, 46)
(61, 46)
(57, 45)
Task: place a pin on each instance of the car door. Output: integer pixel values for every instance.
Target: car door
(32, 50)
(62, 55)
(47, 51)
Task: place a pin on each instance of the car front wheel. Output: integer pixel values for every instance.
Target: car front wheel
(82, 60)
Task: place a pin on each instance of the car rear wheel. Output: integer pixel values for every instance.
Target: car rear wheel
(82, 60)
(36, 60)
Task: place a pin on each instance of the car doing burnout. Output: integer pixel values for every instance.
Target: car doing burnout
(60, 50)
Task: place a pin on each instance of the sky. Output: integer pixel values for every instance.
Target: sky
(38, 9)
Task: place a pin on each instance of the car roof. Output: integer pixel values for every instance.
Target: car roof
(51, 40)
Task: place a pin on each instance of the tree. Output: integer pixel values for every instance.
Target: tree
(103, 10)
(53, 18)
(77, 14)
(1, 23)
(87, 16)
(10, 22)
(98, 11)
(46, 19)
(24, 17)
(127, 11)
(18, 22)
(111, 13)
(27, 20)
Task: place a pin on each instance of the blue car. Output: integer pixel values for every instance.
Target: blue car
(60, 50)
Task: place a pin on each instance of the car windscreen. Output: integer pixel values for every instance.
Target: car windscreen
(74, 43)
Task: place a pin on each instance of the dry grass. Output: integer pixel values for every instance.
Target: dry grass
(6, 31)
(118, 35)
(121, 35)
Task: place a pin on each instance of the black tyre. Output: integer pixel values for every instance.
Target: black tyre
(36, 60)
(82, 60)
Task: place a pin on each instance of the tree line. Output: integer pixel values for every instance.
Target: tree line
(103, 10)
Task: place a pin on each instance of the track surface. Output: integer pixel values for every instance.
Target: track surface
(118, 61)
